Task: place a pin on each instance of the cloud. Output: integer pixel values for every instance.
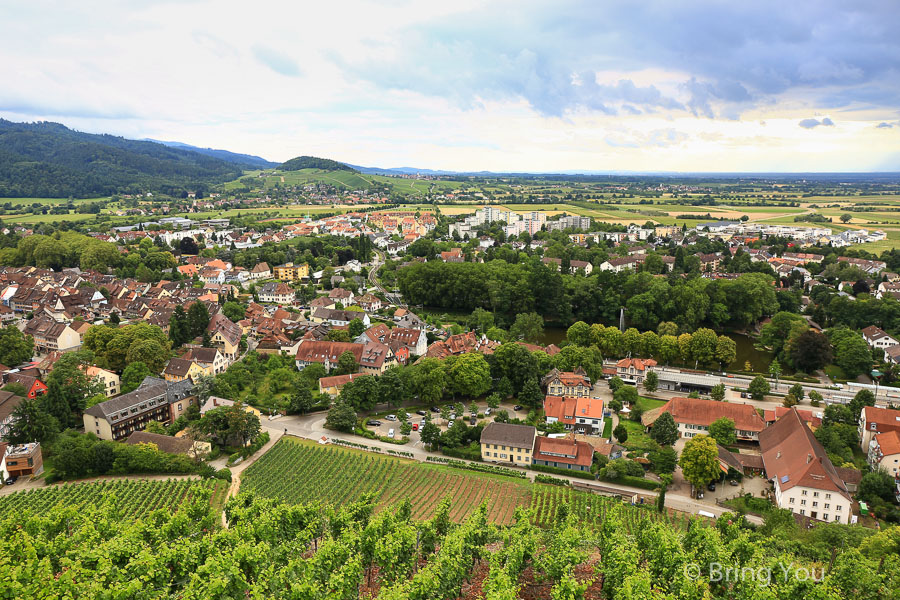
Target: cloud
(812, 123)
(278, 62)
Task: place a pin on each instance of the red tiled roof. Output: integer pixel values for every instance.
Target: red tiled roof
(889, 442)
(563, 450)
(567, 409)
(885, 419)
(697, 411)
(770, 416)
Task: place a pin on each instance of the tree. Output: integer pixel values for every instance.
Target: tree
(341, 417)
(815, 398)
(797, 392)
(15, 347)
(627, 395)
(504, 387)
(150, 352)
(198, 319)
(717, 392)
(68, 386)
(790, 400)
(531, 393)
(579, 334)
(722, 430)
(431, 434)
(16, 389)
(187, 245)
(234, 311)
(651, 381)
(726, 351)
(615, 383)
(346, 364)
(810, 351)
(665, 479)
(758, 388)
(877, 485)
(301, 401)
(470, 375)
(846, 218)
(664, 431)
(230, 425)
(528, 327)
(493, 401)
(699, 460)
(861, 399)
(851, 353)
(31, 423)
(621, 433)
(133, 375)
(663, 460)
(356, 328)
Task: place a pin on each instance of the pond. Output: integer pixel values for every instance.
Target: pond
(746, 349)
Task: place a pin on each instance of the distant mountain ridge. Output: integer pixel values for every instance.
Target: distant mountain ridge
(249, 160)
(49, 160)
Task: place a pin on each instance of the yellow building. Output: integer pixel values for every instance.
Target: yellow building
(180, 369)
(291, 272)
(508, 443)
(110, 381)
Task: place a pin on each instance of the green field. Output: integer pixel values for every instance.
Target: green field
(135, 498)
(298, 471)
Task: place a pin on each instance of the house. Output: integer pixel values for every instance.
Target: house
(608, 449)
(34, 387)
(460, 344)
(369, 302)
(874, 420)
(508, 443)
(373, 358)
(24, 459)
(694, 416)
(110, 380)
(409, 321)
(575, 266)
(291, 272)
(341, 296)
(814, 420)
(618, 265)
(563, 453)
(878, 338)
(225, 335)
(404, 342)
(260, 271)
(333, 385)
(210, 361)
(8, 403)
(584, 415)
(276, 293)
(892, 354)
(50, 336)
(634, 370)
(567, 383)
(216, 402)
(321, 302)
(117, 418)
(884, 453)
(339, 318)
(805, 480)
(170, 444)
(179, 369)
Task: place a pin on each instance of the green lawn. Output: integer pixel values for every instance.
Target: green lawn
(646, 404)
(638, 441)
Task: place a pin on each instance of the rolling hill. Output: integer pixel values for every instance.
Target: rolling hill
(248, 161)
(49, 160)
(313, 162)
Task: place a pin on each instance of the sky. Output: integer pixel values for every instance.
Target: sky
(466, 85)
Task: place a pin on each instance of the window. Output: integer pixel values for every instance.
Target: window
(791, 501)
(803, 492)
(827, 496)
(837, 518)
(502, 455)
(803, 503)
(827, 506)
(815, 494)
(825, 516)
(802, 512)
(179, 406)
(838, 508)
(815, 503)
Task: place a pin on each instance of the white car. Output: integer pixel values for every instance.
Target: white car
(390, 433)
(450, 424)
(391, 417)
(487, 411)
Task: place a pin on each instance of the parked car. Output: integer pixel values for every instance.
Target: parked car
(517, 407)
(450, 424)
(699, 495)
(472, 420)
(421, 412)
(487, 411)
(452, 417)
(391, 417)
(732, 482)
(415, 426)
(435, 409)
(390, 433)
(374, 423)
(712, 486)
(11, 480)
(743, 394)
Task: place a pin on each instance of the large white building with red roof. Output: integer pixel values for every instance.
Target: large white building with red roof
(633, 370)
(884, 452)
(562, 453)
(693, 416)
(805, 481)
(874, 420)
(584, 414)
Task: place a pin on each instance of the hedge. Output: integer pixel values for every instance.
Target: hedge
(551, 480)
(481, 468)
(559, 471)
(639, 482)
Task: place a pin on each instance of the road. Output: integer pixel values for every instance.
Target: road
(312, 426)
(373, 281)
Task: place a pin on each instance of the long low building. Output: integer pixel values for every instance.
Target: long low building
(693, 416)
(563, 453)
(155, 400)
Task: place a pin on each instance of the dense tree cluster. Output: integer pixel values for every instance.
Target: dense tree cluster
(115, 347)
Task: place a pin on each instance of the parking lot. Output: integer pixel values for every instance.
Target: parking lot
(416, 419)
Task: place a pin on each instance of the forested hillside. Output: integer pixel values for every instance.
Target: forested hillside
(312, 162)
(49, 160)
